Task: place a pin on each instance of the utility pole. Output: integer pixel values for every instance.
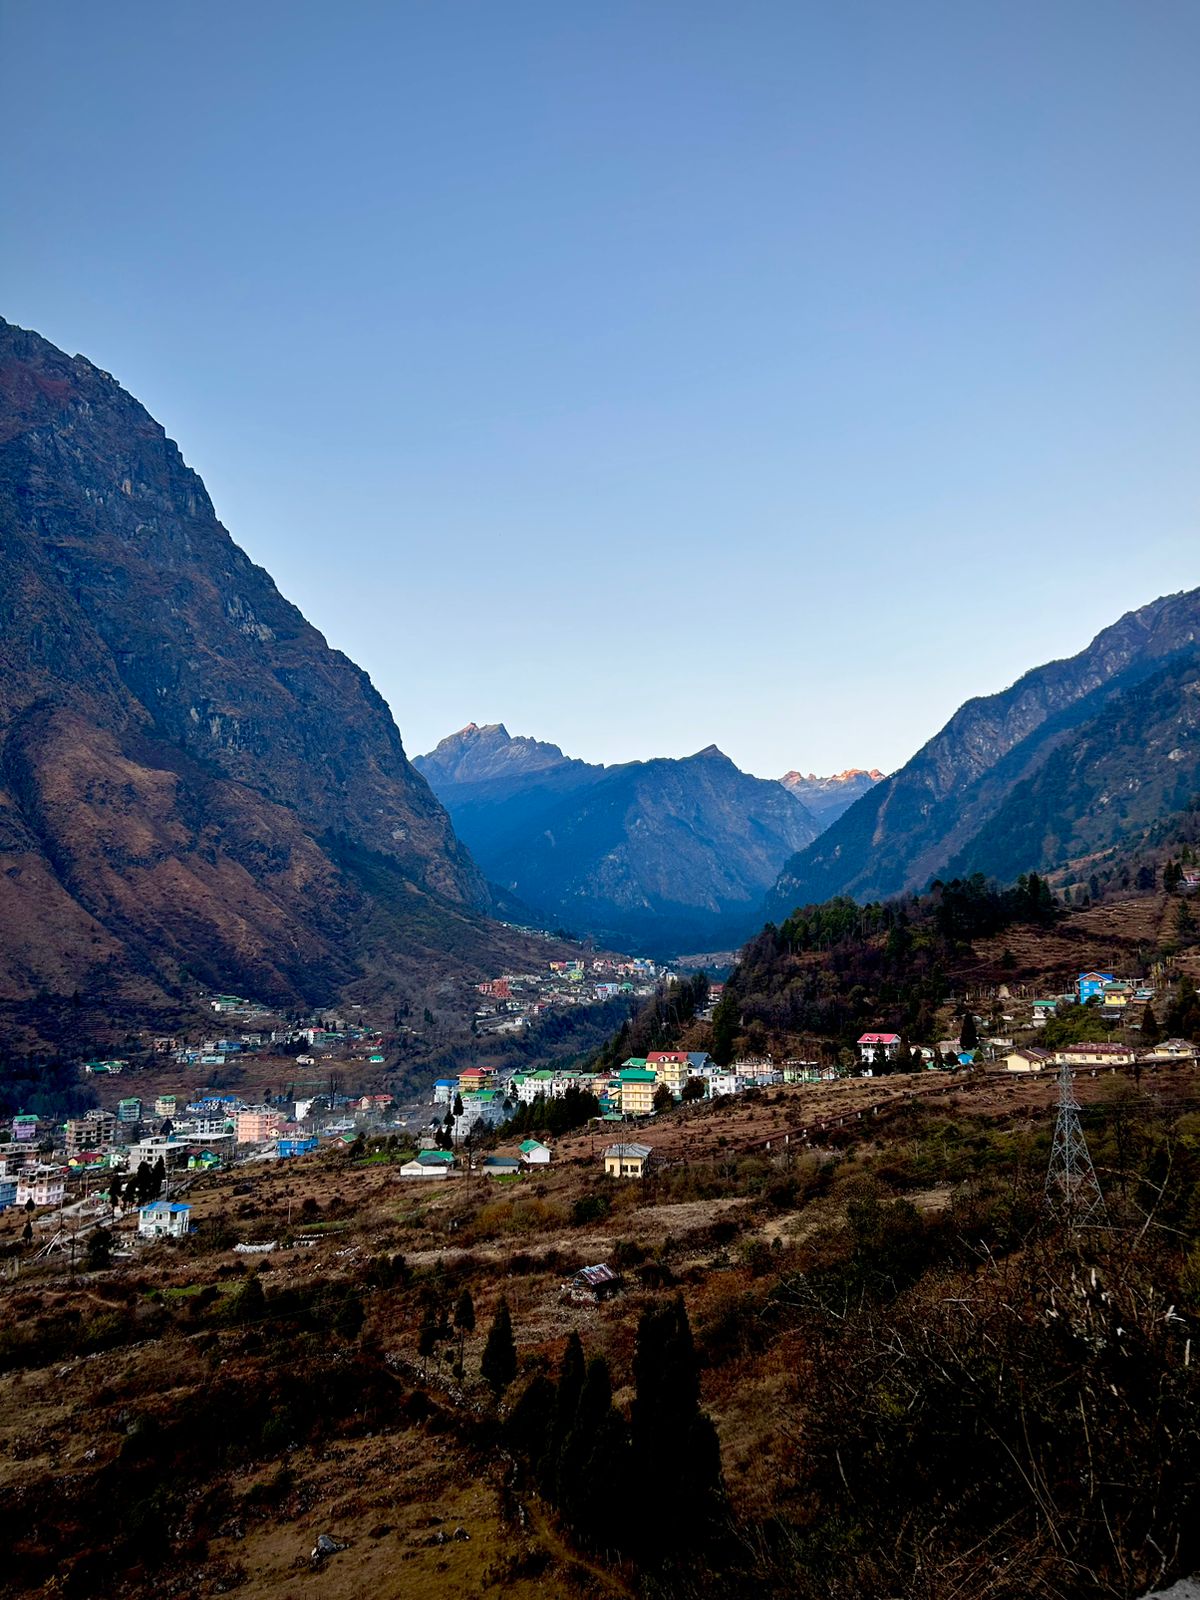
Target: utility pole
(1072, 1190)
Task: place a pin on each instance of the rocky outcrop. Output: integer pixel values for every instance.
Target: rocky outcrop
(905, 830)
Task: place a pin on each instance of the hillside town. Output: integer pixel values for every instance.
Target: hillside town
(141, 1151)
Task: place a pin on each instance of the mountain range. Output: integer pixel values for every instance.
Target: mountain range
(193, 785)
(1075, 756)
(661, 855)
(827, 798)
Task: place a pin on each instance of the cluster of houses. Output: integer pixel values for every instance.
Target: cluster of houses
(41, 1158)
(1029, 1058)
(510, 1003)
(1121, 1002)
(530, 1155)
(477, 1098)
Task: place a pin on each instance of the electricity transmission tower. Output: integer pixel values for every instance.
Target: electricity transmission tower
(1072, 1191)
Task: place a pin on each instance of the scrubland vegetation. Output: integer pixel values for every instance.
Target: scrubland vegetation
(873, 1369)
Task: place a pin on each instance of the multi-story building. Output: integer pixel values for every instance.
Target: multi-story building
(672, 1067)
(129, 1110)
(257, 1124)
(96, 1131)
(1090, 984)
(637, 1091)
(45, 1185)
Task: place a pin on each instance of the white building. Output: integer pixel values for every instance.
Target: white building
(164, 1219)
(44, 1185)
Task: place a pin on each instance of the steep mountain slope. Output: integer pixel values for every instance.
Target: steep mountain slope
(828, 798)
(906, 829)
(187, 772)
(653, 853)
(1133, 765)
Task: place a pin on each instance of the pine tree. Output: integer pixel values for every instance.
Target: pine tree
(250, 1303)
(499, 1364)
(571, 1374)
(464, 1320)
(349, 1317)
(968, 1037)
(1151, 1032)
(725, 1023)
(593, 1456)
(527, 1427)
(674, 1445)
(427, 1340)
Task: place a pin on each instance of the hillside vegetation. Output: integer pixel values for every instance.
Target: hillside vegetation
(873, 1366)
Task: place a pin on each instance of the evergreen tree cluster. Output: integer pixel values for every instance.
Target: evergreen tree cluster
(580, 1448)
(656, 1024)
(140, 1187)
(1183, 1014)
(554, 1115)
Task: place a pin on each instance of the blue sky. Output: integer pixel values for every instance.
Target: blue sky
(645, 375)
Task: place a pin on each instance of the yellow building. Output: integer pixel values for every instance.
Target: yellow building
(671, 1067)
(637, 1092)
(627, 1160)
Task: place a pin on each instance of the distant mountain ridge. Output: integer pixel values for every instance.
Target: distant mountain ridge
(941, 807)
(654, 853)
(828, 797)
(191, 780)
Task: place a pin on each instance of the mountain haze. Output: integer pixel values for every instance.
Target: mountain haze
(191, 780)
(937, 809)
(655, 853)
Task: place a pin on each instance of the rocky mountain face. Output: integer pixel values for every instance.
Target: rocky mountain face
(910, 827)
(191, 780)
(656, 854)
(1120, 775)
(828, 797)
(476, 755)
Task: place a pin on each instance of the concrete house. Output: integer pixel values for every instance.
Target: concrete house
(1029, 1060)
(164, 1219)
(534, 1153)
(433, 1164)
(500, 1167)
(1090, 984)
(1094, 1055)
(627, 1160)
(876, 1048)
(45, 1185)
(672, 1067)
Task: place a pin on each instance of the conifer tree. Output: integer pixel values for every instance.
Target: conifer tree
(464, 1320)
(1151, 1032)
(499, 1364)
(571, 1374)
(674, 1445)
(968, 1037)
(593, 1456)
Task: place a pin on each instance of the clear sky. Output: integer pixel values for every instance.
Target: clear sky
(645, 375)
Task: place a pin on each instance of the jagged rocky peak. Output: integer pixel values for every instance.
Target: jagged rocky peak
(851, 775)
(481, 752)
(828, 797)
